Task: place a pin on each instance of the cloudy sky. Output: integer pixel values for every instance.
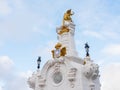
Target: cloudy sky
(28, 30)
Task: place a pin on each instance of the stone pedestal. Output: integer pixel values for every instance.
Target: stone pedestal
(67, 39)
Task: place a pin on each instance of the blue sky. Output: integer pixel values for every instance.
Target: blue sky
(28, 30)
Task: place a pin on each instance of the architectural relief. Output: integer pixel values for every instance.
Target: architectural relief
(91, 70)
(31, 81)
(72, 76)
(41, 81)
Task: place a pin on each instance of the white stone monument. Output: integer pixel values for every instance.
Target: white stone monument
(66, 71)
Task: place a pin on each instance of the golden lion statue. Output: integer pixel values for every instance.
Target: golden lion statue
(67, 16)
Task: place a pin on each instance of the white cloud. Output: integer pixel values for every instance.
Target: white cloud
(9, 79)
(5, 62)
(5, 9)
(98, 21)
(113, 49)
(110, 34)
(6, 65)
(110, 77)
(1, 85)
(18, 4)
(1, 88)
(19, 81)
(25, 74)
(6, 6)
(15, 80)
(103, 35)
(22, 23)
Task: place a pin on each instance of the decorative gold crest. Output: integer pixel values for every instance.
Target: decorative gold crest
(59, 51)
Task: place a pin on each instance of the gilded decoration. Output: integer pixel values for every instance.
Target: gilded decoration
(63, 30)
(59, 51)
(84, 62)
(67, 16)
(63, 51)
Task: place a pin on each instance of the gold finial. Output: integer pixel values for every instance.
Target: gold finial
(67, 16)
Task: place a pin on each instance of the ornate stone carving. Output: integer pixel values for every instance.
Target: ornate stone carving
(41, 81)
(31, 81)
(71, 76)
(57, 67)
(56, 60)
(91, 70)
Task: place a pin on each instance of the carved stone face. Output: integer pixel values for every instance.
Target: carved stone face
(57, 77)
